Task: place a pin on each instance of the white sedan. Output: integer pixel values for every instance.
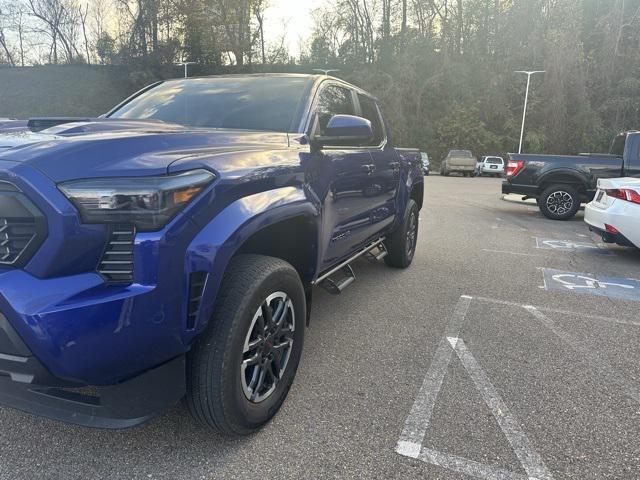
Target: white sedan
(614, 213)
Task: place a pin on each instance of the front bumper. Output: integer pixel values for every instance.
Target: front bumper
(26, 385)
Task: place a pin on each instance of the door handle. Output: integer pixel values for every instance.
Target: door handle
(368, 169)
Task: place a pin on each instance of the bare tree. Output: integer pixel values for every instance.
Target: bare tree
(4, 43)
(60, 21)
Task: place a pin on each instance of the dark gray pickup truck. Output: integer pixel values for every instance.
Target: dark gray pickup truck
(560, 183)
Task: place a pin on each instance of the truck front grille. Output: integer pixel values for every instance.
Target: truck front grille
(23, 228)
(116, 264)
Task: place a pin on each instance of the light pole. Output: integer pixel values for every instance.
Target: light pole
(526, 100)
(325, 71)
(186, 66)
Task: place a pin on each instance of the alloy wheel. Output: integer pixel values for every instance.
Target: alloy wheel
(267, 347)
(559, 202)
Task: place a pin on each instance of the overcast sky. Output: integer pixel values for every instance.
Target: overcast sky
(295, 17)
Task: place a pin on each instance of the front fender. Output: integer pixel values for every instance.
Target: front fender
(219, 240)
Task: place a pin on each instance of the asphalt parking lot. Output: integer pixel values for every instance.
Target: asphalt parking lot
(510, 349)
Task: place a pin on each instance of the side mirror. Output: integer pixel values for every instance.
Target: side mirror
(345, 130)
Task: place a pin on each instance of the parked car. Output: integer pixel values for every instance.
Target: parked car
(170, 248)
(614, 213)
(460, 161)
(425, 163)
(490, 165)
(560, 183)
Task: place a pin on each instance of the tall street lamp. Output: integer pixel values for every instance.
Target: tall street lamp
(526, 100)
(186, 66)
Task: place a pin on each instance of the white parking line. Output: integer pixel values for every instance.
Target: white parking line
(531, 461)
(567, 245)
(466, 466)
(417, 422)
(561, 312)
(595, 361)
(510, 253)
(513, 229)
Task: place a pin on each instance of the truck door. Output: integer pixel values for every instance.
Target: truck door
(385, 179)
(340, 176)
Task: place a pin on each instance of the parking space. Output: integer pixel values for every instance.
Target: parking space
(510, 349)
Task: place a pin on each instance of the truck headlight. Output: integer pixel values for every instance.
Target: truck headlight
(147, 202)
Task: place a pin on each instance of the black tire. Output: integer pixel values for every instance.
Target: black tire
(559, 202)
(215, 387)
(401, 244)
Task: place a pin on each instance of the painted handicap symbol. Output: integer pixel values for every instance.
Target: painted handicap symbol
(566, 245)
(588, 282)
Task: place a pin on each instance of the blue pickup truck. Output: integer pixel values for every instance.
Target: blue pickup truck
(169, 248)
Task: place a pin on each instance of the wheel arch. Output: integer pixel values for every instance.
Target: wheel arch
(565, 177)
(281, 223)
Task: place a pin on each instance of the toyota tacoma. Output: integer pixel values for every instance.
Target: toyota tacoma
(168, 249)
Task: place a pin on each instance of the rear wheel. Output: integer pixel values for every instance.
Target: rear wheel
(240, 370)
(559, 202)
(401, 244)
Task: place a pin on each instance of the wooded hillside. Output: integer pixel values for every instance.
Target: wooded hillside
(444, 69)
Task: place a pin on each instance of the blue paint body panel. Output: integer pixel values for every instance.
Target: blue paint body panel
(87, 330)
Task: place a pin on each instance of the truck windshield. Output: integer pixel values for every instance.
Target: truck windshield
(246, 103)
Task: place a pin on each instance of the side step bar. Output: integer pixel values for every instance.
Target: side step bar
(336, 286)
(347, 276)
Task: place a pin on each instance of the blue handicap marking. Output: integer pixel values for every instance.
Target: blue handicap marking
(569, 246)
(623, 288)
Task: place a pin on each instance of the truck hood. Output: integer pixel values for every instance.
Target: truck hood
(114, 148)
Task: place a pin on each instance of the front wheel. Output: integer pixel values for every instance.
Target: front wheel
(240, 370)
(401, 244)
(559, 202)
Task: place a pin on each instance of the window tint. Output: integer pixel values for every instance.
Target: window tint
(247, 103)
(370, 112)
(333, 100)
(494, 160)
